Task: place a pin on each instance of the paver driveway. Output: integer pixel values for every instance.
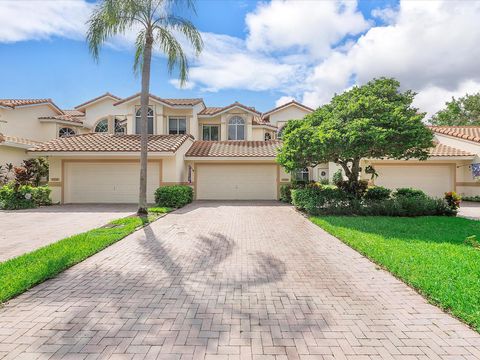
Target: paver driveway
(219, 280)
(22, 231)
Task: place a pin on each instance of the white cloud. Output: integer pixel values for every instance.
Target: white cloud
(226, 63)
(283, 100)
(431, 47)
(26, 20)
(313, 26)
(188, 85)
(433, 98)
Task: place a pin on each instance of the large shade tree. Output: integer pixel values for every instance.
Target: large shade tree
(157, 27)
(462, 111)
(375, 120)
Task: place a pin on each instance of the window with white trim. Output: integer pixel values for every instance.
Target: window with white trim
(149, 121)
(102, 126)
(66, 132)
(210, 132)
(236, 128)
(301, 175)
(177, 125)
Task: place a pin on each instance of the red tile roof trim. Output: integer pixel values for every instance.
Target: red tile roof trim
(112, 143)
(234, 149)
(171, 102)
(471, 133)
(107, 94)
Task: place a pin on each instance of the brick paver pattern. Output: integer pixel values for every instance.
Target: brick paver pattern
(229, 281)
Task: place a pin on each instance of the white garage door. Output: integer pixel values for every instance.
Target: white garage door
(236, 182)
(107, 182)
(435, 180)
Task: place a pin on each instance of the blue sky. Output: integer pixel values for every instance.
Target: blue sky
(258, 53)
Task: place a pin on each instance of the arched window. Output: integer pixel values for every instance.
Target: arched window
(149, 121)
(279, 132)
(102, 126)
(65, 132)
(268, 136)
(236, 128)
(120, 126)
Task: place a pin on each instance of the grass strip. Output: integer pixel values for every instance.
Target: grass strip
(23, 272)
(428, 253)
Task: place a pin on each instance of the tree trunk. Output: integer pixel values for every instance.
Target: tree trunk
(144, 97)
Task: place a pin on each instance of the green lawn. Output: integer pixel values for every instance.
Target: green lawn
(21, 273)
(427, 253)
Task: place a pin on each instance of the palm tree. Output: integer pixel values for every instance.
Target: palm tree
(156, 27)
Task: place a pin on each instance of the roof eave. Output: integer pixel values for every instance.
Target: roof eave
(99, 153)
(231, 158)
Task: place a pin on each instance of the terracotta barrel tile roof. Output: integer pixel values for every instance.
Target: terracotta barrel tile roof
(66, 117)
(211, 110)
(257, 120)
(107, 94)
(234, 149)
(172, 102)
(73, 112)
(112, 143)
(445, 150)
(471, 133)
(22, 102)
(18, 140)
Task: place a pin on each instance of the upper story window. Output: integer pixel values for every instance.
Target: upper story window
(149, 121)
(65, 132)
(102, 126)
(268, 136)
(236, 128)
(177, 125)
(211, 132)
(280, 132)
(120, 127)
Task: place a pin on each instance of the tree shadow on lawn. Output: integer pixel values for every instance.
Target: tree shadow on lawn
(429, 229)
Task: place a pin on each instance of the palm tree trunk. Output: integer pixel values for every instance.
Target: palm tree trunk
(144, 97)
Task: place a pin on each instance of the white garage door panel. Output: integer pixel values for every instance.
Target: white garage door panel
(434, 180)
(236, 182)
(107, 182)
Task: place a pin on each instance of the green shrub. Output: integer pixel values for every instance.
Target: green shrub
(409, 192)
(286, 193)
(25, 197)
(471, 198)
(377, 193)
(329, 200)
(174, 196)
(315, 198)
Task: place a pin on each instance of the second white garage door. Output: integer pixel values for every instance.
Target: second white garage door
(236, 181)
(435, 180)
(99, 182)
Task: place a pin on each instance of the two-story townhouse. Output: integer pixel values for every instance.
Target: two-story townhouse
(27, 122)
(222, 152)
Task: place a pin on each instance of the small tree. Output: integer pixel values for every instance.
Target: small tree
(375, 120)
(461, 111)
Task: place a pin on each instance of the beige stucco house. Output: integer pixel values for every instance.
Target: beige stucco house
(222, 152)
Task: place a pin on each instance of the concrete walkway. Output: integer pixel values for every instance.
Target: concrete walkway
(229, 281)
(23, 231)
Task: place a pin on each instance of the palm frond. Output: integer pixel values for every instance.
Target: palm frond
(110, 18)
(185, 27)
(175, 55)
(139, 48)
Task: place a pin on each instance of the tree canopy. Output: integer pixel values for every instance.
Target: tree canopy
(375, 120)
(462, 111)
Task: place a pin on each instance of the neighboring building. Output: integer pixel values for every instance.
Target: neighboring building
(223, 152)
(27, 122)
